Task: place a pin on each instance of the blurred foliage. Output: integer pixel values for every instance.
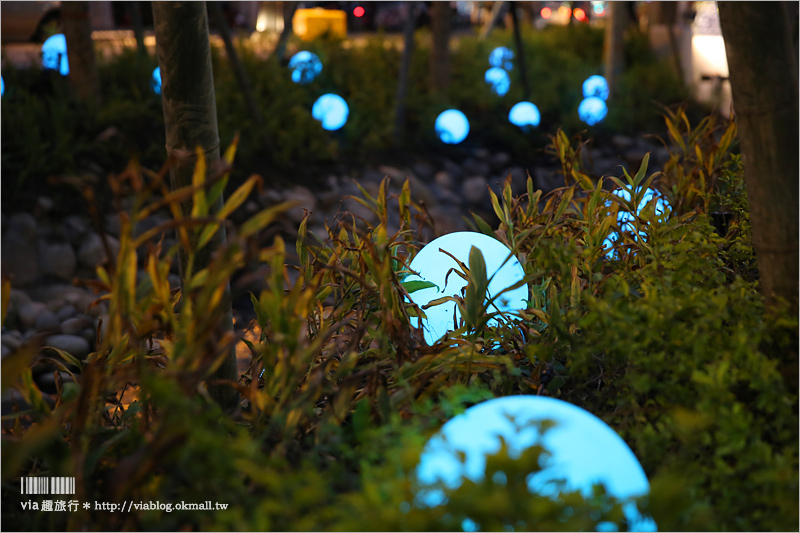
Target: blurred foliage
(47, 132)
(666, 342)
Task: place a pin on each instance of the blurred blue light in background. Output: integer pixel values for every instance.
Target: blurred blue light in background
(305, 67)
(595, 86)
(524, 114)
(54, 54)
(498, 79)
(2, 86)
(625, 218)
(583, 451)
(452, 126)
(331, 110)
(433, 265)
(501, 57)
(592, 110)
(155, 80)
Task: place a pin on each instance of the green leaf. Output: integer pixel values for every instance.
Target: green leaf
(416, 285)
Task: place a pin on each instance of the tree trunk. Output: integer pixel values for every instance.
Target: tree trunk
(288, 27)
(494, 16)
(83, 77)
(763, 76)
(405, 67)
(440, 51)
(138, 28)
(523, 70)
(614, 45)
(190, 117)
(233, 57)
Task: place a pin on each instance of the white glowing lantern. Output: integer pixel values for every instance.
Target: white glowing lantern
(595, 86)
(583, 451)
(625, 218)
(54, 54)
(452, 126)
(498, 80)
(592, 110)
(433, 266)
(331, 110)
(524, 115)
(155, 80)
(501, 57)
(305, 67)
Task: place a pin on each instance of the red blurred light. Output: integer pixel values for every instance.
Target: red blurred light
(580, 14)
(358, 12)
(546, 12)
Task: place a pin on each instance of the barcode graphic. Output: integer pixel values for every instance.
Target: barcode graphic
(48, 485)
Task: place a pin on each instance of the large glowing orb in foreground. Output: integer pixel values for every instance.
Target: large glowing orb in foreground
(331, 110)
(433, 266)
(452, 126)
(583, 451)
(54, 54)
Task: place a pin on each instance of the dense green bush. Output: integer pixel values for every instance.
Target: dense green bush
(665, 342)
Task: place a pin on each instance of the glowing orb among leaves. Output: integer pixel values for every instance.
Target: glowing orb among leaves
(452, 126)
(595, 86)
(155, 80)
(583, 451)
(331, 110)
(625, 218)
(305, 67)
(501, 57)
(524, 114)
(54, 54)
(498, 80)
(433, 266)
(592, 110)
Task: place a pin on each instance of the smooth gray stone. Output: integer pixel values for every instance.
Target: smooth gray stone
(72, 344)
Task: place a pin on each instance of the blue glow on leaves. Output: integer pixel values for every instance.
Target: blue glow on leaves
(501, 57)
(331, 110)
(595, 86)
(592, 110)
(155, 80)
(54, 54)
(524, 114)
(305, 67)
(433, 265)
(452, 126)
(498, 79)
(625, 218)
(583, 451)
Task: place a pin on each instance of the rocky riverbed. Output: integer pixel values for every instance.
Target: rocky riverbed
(44, 254)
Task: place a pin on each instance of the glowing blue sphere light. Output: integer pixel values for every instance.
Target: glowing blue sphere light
(433, 266)
(582, 451)
(592, 110)
(155, 80)
(595, 86)
(498, 80)
(54, 54)
(452, 126)
(331, 110)
(305, 66)
(501, 57)
(524, 115)
(625, 218)
(2, 86)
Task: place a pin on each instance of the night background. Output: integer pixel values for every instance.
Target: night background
(216, 287)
